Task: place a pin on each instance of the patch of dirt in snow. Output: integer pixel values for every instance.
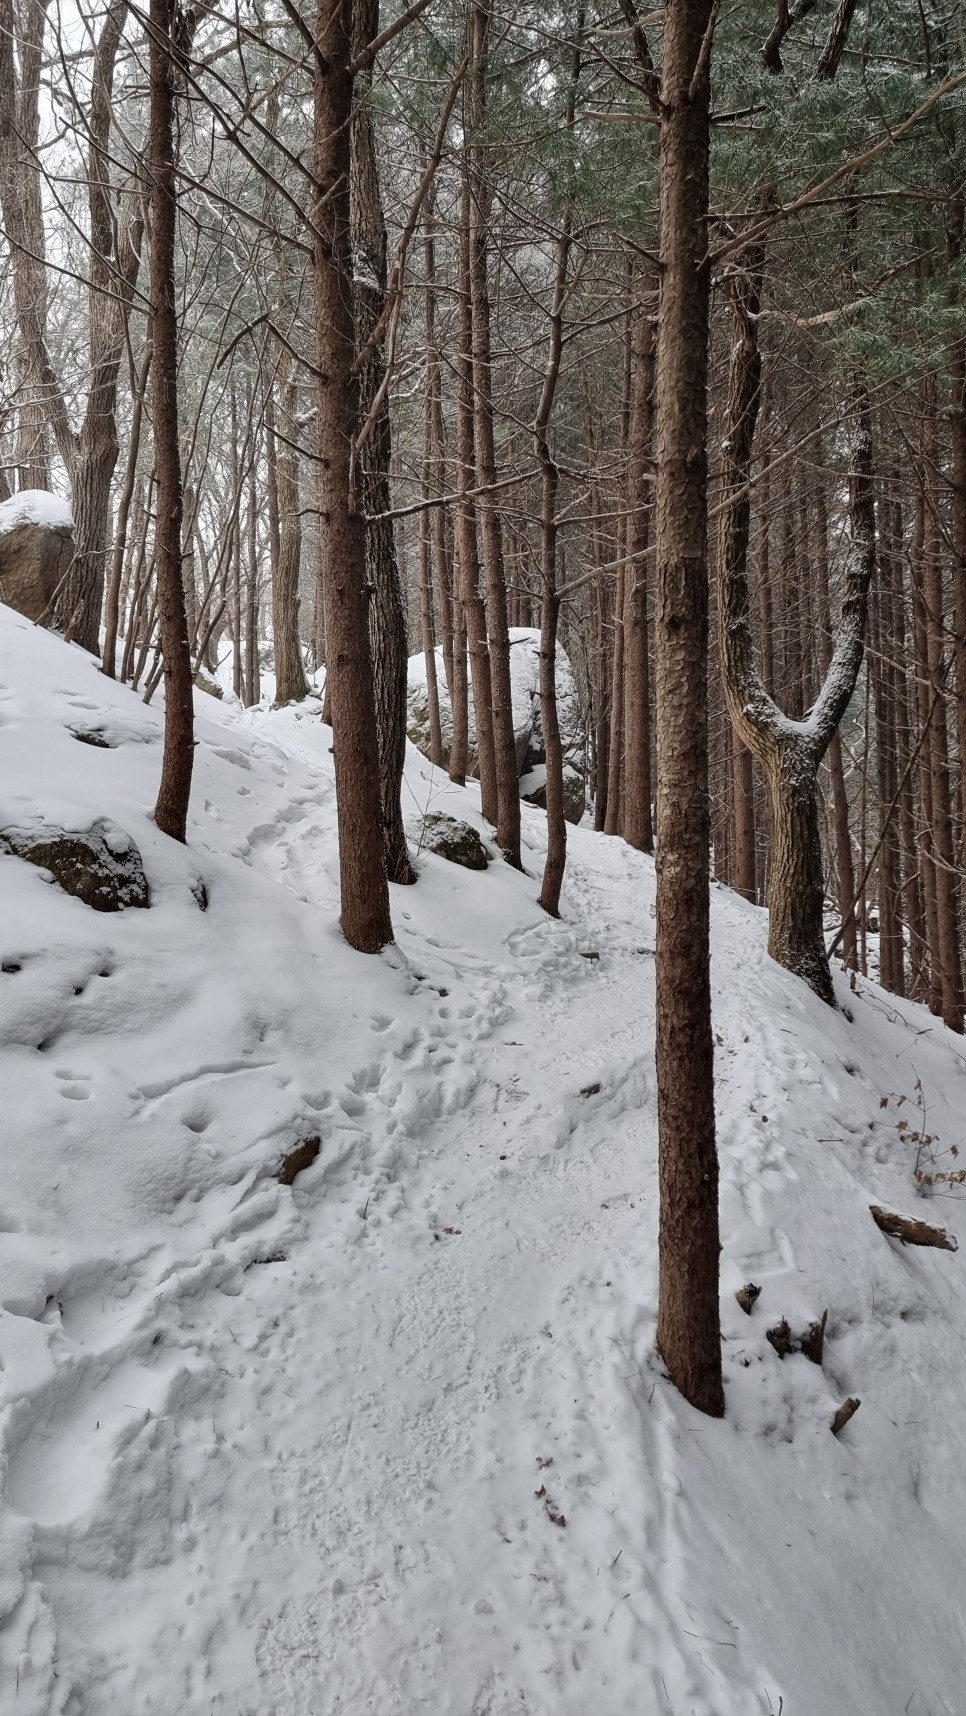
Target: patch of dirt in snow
(423, 1458)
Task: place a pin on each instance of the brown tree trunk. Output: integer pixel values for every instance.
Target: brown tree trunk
(22, 51)
(474, 616)
(114, 616)
(688, 1328)
(436, 457)
(844, 865)
(550, 478)
(114, 245)
(745, 874)
(790, 751)
(613, 818)
(291, 684)
(252, 677)
(602, 707)
(942, 846)
(426, 603)
(388, 639)
(637, 825)
(364, 888)
(504, 742)
(171, 810)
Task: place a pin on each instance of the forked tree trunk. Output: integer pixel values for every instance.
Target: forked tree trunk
(364, 889)
(171, 810)
(688, 1326)
(789, 751)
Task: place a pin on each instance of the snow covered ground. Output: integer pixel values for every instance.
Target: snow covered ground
(394, 1439)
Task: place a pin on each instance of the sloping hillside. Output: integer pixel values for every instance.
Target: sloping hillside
(393, 1438)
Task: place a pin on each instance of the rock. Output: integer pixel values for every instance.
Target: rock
(36, 548)
(100, 865)
(527, 727)
(452, 839)
(533, 790)
(208, 685)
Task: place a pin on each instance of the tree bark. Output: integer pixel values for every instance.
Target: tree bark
(789, 750)
(387, 615)
(550, 479)
(474, 616)
(688, 1328)
(171, 810)
(498, 637)
(942, 853)
(638, 829)
(364, 889)
(291, 684)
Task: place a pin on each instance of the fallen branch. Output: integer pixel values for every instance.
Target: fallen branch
(912, 1232)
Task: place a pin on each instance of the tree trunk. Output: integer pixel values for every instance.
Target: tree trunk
(942, 848)
(504, 743)
(474, 616)
(602, 708)
(637, 826)
(844, 865)
(388, 640)
(364, 888)
(688, 1328)
(291, 684)
(790, 751)
(550, 478)
(252, 680)
(171, 810)
(114, 617)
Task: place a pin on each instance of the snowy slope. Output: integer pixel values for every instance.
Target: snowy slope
(274, 1451)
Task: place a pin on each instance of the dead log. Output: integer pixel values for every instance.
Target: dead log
(912, 1232)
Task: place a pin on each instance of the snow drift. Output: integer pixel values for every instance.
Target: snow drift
(393, 1438)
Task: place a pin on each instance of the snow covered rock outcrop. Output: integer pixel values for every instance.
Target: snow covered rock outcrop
(36, 548)
(527, 726)
(100, 865)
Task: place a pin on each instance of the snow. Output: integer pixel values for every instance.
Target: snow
(35, 506)
(272, 1451)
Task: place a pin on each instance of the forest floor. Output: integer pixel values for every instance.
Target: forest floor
(394, 1439)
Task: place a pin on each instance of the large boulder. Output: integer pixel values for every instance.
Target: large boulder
(100, 865)
(452, 839)
(36, 548)
(527, 725)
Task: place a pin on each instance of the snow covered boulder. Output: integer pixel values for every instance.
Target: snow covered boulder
(452, 839)
(36, 548)
(527, 726)
(533, 790)
(100, 865)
